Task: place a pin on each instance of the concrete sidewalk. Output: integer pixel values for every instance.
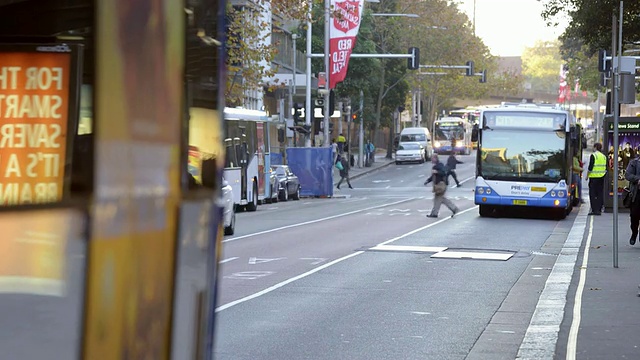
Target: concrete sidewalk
(607, 297)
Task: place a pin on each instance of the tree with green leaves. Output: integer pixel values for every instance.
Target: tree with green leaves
(249, 51)
(541, 66)
(590, 23)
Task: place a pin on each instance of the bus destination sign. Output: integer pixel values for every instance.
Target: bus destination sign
(537, 122)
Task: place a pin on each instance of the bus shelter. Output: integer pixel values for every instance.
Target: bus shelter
(628, 148)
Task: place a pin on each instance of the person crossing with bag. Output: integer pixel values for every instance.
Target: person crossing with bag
(439, 175)
(343, 165)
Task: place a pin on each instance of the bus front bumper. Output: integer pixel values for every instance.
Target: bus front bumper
(547, 201)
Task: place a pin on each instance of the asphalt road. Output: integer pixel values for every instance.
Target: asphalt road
(370, 277)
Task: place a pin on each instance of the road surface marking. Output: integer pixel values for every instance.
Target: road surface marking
(322, 267)
(255, 260)
(249, 275)
(433, 249)
(227, 260)
(317, 220)
(315, 261)
(448, 254)
(541, 336)
(572, 342)
(401, 210)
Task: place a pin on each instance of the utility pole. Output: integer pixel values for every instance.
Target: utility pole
(327, 64)
(361, 135)
(308, 111)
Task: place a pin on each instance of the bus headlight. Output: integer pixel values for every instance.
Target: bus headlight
(459, 143)
(488, 191)
(436, 144)
(560, 193)
(480, 190)
(556, 202)
(553, 193)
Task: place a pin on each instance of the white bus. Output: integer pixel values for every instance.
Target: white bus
(247, 145)
(452, 134)
(524, 159)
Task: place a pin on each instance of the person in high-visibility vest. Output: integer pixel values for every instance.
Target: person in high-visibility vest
(597, 171)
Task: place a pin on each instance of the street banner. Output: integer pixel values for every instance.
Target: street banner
(344, 26)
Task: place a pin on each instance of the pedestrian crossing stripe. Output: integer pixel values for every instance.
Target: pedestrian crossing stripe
(431, 249)
(442, 252)
(472, 255)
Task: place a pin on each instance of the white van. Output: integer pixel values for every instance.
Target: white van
(418, 134)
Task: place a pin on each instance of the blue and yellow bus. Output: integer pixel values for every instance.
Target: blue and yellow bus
(524, 159)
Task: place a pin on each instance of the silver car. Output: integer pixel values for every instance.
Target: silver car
(410, 151)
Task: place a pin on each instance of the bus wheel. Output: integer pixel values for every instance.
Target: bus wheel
(253, 205)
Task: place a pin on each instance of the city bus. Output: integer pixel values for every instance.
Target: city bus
(524, 160)
(472, 115)
(246, 167)
(452, 134)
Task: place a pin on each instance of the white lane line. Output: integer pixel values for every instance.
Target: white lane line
(227, 260)
(310, 272)
(542, 334)
(572, 342)
(317, 220)
(433, 249)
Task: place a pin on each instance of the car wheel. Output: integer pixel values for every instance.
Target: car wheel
(296, 196)
(253, 205)
(285, 193)
(229, 230)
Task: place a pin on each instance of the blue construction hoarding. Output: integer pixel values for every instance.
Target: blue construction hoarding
(313, 166)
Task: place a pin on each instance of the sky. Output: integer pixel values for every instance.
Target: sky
(508, 26)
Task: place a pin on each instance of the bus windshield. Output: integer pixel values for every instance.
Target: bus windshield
(448, 131)
(527, 155)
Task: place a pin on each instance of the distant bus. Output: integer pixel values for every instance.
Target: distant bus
(452, 134)
(524, 159)
(472, 115)
(247, 151)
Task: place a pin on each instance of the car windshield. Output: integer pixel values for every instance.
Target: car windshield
(409, 147)
(280, 171)
(520, 154)
(413, 137)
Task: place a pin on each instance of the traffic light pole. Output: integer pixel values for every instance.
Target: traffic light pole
(327, 70)
(307, 109)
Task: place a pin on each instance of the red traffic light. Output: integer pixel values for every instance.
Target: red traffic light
(354, 116)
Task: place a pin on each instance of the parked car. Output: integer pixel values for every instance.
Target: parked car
(289, 182)
(275, 187)
(228, 212)
(410, 151)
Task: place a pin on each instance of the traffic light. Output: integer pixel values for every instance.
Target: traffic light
(470, 70)
(483, 76)
(297, 113)
(603, 79)
(413, 63)
(604, 65)
(332, 103)
(354, 117)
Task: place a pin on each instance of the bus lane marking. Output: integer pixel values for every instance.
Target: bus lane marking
(255, 260)
(248, 275)
(315, 261)
(329, 264)
(318, 220)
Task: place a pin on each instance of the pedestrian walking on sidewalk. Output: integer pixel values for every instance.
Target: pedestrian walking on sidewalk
(344, 170)
(632, 174)
(439, 176)
(452, 161)
(597, 171)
